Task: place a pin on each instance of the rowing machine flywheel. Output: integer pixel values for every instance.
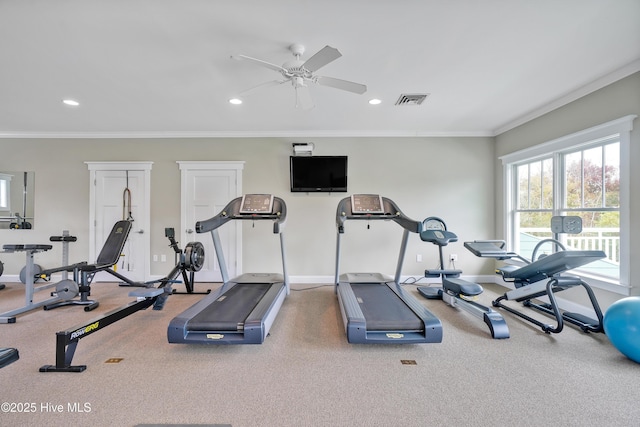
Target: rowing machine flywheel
(194, 256)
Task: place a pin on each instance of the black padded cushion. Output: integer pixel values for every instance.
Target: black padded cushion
(8, 355)
(113, 246)
(463, 287)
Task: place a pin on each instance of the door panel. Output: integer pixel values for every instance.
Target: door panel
(205, 193)
(111, 205)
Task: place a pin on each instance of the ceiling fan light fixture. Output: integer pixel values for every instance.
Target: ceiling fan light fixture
(297, 82)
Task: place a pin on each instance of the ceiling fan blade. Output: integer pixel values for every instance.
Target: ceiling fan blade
(259, 62)
(303, 98)
(324, 56)
(341, 84)
(261, 85)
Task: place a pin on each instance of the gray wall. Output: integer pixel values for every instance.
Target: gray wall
(612, 102)
(448, 177)
(458, 179)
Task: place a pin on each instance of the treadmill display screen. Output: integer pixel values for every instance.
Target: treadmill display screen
(256, 203)
(366, 204)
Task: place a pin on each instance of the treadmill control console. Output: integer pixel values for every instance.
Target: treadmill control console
(256, 204)
(366, 204)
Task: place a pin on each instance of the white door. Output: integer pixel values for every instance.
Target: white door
(120, 191)
(207, 187)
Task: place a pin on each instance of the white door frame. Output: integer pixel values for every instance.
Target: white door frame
(146, 208)
(186, 166)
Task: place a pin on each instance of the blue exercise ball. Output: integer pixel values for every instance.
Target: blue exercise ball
(622, 326)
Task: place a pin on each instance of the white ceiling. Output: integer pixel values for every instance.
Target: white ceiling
(160, 68)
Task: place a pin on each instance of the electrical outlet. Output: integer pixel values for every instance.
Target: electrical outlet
(418, 257)
(453, 257)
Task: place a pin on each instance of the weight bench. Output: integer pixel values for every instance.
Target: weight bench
(108, 257)
(29, 288)
(543, 277)
(40, 274)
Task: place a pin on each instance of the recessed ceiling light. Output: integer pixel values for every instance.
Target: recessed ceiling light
(70, 102)
(235, 101)
(375, 101)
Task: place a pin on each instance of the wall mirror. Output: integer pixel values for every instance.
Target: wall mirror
(17, 199)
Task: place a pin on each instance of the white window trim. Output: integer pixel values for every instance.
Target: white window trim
(622, 127)
(7, 179)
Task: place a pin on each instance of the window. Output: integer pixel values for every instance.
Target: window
(5, 192)
(585, 174)
(534, 204)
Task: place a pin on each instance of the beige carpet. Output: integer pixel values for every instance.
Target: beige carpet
(306, 374)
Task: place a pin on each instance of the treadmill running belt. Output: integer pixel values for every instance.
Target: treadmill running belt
(230, 310)
(384, 310)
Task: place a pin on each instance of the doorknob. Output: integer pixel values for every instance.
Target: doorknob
(140, 231)
(189, 231)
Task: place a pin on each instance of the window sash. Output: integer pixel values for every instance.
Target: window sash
(5, 192)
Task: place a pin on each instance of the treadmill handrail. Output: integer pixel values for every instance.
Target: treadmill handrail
(391, 212)
(232, 212)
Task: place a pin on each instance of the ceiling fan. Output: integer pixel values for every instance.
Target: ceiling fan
(300, 73)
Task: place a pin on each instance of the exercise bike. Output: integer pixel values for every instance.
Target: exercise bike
(455, 291)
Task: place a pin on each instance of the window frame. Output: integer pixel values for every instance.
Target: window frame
(621, 128)
(5, 181)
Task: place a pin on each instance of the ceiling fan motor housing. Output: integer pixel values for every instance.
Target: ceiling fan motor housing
(295, 69)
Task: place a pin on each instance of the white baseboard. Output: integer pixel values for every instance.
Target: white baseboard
(10, 278)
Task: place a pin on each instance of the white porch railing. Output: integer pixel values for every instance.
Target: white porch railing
(602, 239)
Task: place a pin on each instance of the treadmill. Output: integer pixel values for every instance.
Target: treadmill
(375, 309)
(244, 308)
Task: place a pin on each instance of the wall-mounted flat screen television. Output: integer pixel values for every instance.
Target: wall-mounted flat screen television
(318, 173)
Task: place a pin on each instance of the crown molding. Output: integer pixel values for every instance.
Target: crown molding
(239, 134)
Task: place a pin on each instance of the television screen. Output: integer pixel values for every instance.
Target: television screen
(318, 173)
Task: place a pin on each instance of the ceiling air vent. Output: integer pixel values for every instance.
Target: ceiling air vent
(411, 99)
